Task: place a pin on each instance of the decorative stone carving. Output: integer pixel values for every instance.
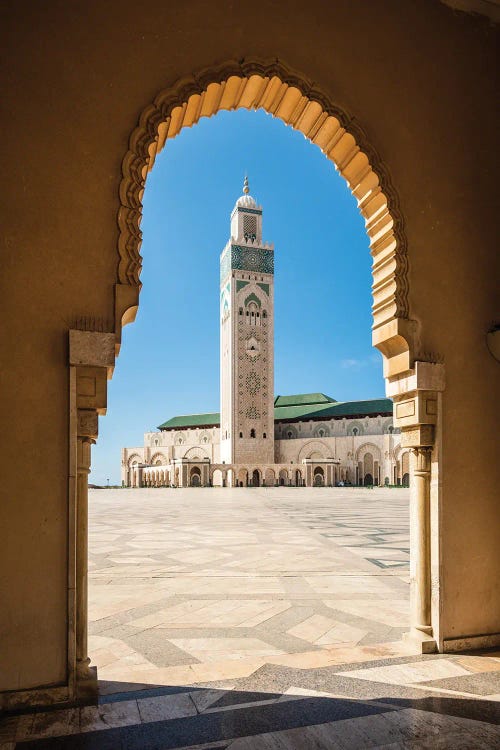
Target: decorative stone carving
(416, 403)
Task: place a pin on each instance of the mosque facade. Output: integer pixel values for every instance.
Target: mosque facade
(259, 439)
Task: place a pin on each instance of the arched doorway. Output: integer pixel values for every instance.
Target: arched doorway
(368, 466)
(298, 478)
(322, 123)
(195, 477)
(256, 478)
(319, 477)
(283, 477)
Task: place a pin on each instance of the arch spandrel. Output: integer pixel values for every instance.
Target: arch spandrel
(272, 86)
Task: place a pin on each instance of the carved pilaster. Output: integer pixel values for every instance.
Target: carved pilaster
(416, 396)
(420, 557)
(91, 359)
(83, 671)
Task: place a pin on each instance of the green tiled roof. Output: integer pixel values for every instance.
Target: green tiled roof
(301, 406)
(336, 409)
(301, 399)
(192, 420)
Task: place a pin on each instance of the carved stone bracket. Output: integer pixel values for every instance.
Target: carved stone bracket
(92, 349)
(415, 396)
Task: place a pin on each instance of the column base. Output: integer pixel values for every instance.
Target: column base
(425, 642)
(86, 685)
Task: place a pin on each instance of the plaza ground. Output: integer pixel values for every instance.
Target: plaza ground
(261, 619)
(192, 584)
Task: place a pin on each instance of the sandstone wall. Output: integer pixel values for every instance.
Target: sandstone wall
(417, 77)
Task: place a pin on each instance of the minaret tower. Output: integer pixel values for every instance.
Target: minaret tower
(247, 339)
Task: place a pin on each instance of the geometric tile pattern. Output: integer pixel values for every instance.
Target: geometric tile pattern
(184, 580)
(258, 619)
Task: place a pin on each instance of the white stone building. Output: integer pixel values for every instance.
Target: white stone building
(259, 439)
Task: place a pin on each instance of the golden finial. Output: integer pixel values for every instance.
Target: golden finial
(246, 189)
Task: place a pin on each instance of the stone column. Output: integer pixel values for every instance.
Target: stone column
(84, 673)
(91, 360)
(420, 558)
(416, 397)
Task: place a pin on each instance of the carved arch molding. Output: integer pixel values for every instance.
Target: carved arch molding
(368, 448)
(290, 96)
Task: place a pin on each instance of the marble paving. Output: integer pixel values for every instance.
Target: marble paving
(267, 619)
(211, 582)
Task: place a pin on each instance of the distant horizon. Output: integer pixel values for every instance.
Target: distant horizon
(169, 360)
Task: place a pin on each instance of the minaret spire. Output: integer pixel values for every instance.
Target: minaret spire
(246, 339)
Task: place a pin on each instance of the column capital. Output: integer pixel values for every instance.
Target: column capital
(87, 424)
(83, 454)
(416, 403)
(419, 435)
(422, 465)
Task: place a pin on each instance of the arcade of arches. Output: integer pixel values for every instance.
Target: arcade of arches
(365, 468)
(81, 132)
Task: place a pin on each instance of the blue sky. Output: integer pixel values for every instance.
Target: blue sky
(169, 361)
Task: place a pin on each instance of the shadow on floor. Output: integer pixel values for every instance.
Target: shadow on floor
(160, 717)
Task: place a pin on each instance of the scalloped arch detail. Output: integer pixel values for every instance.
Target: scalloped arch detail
(368, 448)
(314, 446)
(271, 85)
(158, 457)
(133, 459)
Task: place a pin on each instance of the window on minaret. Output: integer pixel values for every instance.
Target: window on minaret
(252, 433)
(250, 227)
